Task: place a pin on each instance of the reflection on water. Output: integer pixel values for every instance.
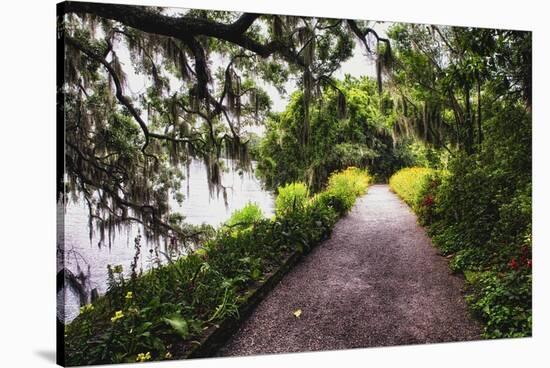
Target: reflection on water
(198, 207)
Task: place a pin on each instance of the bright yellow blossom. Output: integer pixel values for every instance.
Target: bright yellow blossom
(141, 357)
(86, 308)
(118, 315)
(129, 295)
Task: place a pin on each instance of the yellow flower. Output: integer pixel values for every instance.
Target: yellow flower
(168, 355)
(118, 315)
(86, 308)
(141, 357)
(129, 295)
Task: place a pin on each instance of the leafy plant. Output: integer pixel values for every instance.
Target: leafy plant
(503, 302)
(291, 197)
(407, 183)
(246, 216)
(342, 189)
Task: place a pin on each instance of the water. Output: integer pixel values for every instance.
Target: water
(198, 207)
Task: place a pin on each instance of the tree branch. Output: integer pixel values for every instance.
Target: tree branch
(125, 100)
(185, 28)
(362, 35)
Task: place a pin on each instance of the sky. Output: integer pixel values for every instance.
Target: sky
(357, 66)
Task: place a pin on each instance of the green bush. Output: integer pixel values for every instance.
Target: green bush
(246, 216)
(408, 182)
(343, 188)
(503, 302)
(426, 201)
(291, 197)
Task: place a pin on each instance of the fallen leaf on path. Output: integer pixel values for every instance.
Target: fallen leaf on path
(297, 313)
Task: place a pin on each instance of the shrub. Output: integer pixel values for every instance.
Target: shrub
(343, 188)
(503, 302)
(246, 216)
(291, 197)
(426, 201)
(352, 179)
(324, 214)
(327, 199)
(408, 182)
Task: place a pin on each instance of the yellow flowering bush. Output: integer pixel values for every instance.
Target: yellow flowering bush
(407, 183)
(343, 188)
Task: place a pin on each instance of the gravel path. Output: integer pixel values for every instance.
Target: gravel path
(377, 281)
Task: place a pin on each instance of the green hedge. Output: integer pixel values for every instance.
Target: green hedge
(157, 315)
(343, 188)
(407, 183)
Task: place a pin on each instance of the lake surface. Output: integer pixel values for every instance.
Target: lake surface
(199, 207)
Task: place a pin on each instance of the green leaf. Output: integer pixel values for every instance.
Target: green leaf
(179, 325)
(255, 274)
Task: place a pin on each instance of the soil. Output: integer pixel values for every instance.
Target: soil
(378, 281)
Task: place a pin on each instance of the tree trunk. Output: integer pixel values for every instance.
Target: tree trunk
(469, 123)
(479, 130)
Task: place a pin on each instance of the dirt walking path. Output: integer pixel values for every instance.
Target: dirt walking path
(377, 281)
